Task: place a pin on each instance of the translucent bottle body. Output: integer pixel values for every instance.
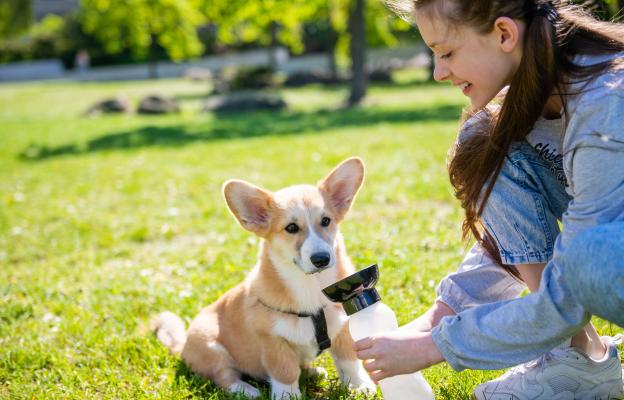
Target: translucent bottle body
(380, 318)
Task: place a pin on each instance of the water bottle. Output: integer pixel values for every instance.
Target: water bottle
(368, 316)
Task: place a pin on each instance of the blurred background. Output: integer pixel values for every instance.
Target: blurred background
(303, 41)
(240, 44)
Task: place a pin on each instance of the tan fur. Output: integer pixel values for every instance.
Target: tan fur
(243, 331)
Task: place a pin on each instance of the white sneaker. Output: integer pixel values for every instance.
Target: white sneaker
(561, 374)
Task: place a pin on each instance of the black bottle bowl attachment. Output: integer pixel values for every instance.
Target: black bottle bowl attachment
(355, 292)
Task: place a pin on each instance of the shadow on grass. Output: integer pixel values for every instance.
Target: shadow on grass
(242, 125)
(311, 387)
(325, 88)
(205, 388)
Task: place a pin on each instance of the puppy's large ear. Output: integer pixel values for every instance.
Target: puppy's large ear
(250, 205)
(341, 185)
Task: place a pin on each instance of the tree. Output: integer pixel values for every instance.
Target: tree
(353, 24)
(360, 24)
(143, 25)
(357, 46)
(15, 17)
(267, 22)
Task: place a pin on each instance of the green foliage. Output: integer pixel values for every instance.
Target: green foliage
(124, 218)
(76, 39)
(116, 31)
(43, 40)
(140, 25)
(15, 17)
(60, 37)
(250, 21)
(607, 10)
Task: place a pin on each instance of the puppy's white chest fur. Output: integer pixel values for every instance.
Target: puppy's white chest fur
(300, 331)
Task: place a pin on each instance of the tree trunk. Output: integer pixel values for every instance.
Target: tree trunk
(152, 68)
(273, 62)
(331, 52)
(333, 65)
(152, 65)
(358, 53)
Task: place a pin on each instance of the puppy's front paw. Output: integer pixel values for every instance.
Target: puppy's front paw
(353, 373)
(245, 389)
(284, 391)
(363, 383)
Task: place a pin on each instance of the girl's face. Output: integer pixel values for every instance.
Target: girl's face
(480, 65)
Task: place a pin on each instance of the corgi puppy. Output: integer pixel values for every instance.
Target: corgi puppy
(276, 322)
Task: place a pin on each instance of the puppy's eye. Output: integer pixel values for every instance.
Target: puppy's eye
(292, 228)
(325, 221)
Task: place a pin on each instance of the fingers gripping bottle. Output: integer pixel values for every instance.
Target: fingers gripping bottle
(368, 316)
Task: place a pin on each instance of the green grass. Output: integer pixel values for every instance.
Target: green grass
(107, 221)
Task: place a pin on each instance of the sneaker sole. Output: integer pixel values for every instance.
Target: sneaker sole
(495, 397)
(612, 390)
(563, 397)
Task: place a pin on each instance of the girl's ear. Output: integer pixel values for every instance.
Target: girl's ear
(250, 205)
(509, 33)
(340, 187)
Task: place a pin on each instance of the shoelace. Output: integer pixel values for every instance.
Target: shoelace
(543, 360)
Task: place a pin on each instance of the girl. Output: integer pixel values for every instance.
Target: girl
(553, 151)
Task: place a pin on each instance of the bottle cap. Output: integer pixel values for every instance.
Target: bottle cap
(355, 292)
(365, 299)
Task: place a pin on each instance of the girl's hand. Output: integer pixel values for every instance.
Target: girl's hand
(397, 353)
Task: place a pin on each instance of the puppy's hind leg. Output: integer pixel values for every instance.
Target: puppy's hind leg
(211, 360)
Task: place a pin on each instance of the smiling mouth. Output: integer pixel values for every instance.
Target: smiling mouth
(465, 87)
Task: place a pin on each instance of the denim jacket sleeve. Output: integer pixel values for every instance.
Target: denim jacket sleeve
(507, 333)
(479, 280)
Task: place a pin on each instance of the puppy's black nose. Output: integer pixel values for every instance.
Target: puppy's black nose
(320, 260)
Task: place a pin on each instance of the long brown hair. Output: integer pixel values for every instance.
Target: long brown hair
(556, 32)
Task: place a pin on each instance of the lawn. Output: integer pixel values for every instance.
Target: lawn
(106, 221)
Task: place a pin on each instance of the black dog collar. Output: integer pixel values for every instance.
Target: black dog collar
(318, 320)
